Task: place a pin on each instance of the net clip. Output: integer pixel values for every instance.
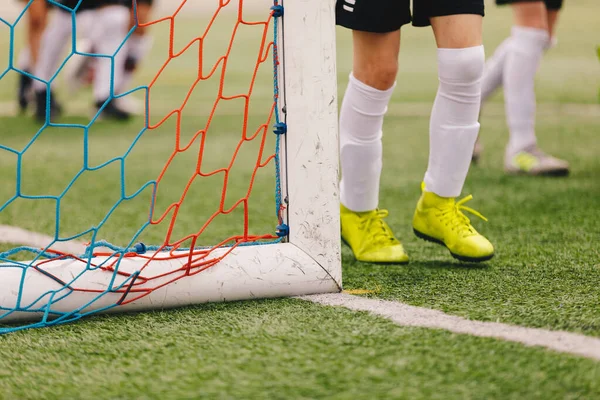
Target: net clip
(277, 10)
(280, 128)
(283, 230)
(140, 248)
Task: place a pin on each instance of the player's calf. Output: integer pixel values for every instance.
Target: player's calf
(453, 132)
(454, 122)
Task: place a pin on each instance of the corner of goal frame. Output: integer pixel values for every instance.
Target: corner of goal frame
(307, 260)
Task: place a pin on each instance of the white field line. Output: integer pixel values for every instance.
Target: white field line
(18, 236)
(400, 313)
(405, 315)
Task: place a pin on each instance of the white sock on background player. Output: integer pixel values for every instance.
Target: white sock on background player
(137, 47)
(494, 70)
(108, 33)
(24, 60)
(525, 51)
(454, 119)
(54, 39)
(361, 122)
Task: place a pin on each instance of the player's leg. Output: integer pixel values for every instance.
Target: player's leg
(56, 36)
(53, 41)
(492, 80)
(25, 82)
(140, 42)
(553, 7)
(453, 130)
(495, 65)
(79, 72)
(493, 71)
(36, 23)
(137, 47)
(37, 19)
(107, 35)
(376, 43)
(530, 38)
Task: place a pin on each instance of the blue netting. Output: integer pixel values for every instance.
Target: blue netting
(42, 306)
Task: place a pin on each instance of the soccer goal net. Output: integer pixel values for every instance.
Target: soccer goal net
(224, 188)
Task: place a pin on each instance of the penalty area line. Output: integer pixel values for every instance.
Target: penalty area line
(406, 315)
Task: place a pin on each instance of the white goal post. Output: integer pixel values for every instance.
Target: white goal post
(308, 262)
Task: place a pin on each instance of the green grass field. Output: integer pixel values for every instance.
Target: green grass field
(546, 273)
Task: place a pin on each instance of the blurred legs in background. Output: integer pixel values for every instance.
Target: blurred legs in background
(36, 23)
(513, 66)
(106, 33)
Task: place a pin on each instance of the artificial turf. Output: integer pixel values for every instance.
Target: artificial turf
(546, 272)
(279, 349)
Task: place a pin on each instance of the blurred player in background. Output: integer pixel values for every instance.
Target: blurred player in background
(36, 19)
(81, 72)
(107, 31)
(454, 126)
(513, 66)
(139, 43)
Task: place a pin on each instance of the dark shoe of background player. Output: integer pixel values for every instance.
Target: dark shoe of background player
(112, 111)
(23, 91)
(40, 106)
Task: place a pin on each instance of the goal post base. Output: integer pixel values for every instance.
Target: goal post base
(249, 272)
(306, 187)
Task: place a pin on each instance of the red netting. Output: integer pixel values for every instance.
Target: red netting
(179, 255)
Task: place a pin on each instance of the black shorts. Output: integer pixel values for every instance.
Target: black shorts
(383, 16)
(550, 4)
(149, 2)
(93, 4)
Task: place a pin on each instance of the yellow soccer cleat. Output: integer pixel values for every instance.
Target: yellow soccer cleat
(535, 162)
(370, 238)
(441, 220)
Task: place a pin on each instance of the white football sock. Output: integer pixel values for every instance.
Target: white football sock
(526, 48)
(24, 60)
(361, 122)
(107, 34)
(494, 70)
(453, 126)
(54, 39)
(137, 47)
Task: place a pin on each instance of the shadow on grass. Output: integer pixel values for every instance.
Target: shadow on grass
(450, 265)
(349, 262)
